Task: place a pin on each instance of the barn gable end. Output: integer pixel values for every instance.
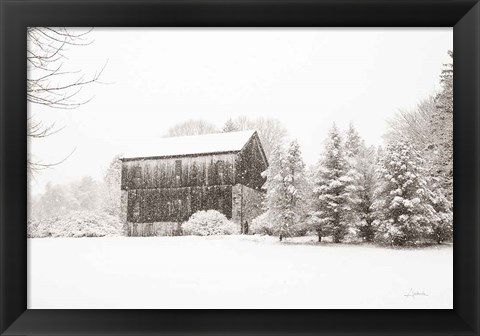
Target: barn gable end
(251, 162)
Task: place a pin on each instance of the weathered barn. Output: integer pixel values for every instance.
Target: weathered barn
(163, 187)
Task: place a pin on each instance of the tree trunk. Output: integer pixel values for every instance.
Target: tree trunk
(319, 238)
(281, 237)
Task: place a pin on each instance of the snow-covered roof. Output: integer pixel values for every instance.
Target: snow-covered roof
(194, 144)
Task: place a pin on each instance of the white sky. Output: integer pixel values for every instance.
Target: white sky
(307, 78)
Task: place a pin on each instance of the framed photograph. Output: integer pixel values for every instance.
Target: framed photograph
(220, 167)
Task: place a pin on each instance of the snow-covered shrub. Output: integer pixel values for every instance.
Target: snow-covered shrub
(301, 228)
(33, 228)
(365, 230)
(353, 236)
(442, 228)
(76, 224)
(209, 223)
(262, 225)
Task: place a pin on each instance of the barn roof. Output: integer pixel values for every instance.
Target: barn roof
(191, 145)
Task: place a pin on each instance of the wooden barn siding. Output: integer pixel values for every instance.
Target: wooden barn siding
(123, 210)
(250, 165)
(154, 229)
(207, 170)
(176, 204)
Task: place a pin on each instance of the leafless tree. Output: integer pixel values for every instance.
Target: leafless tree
(48, 83)
(413, 125)
(191, 127)
(270, 130)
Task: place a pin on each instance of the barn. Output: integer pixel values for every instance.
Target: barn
(162, 186)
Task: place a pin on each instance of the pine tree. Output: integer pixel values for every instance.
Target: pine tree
(275, 188)
(442, 223)
(296, 186)
(403, 210)
(230, 126)
(285, 199)
(111, 187)
(365, 183)
(331, 193)
(445, 97)
(442, 131)
(353, 143)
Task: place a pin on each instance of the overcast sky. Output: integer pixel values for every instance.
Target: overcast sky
(307, 78)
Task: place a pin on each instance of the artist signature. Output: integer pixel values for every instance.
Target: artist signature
(414, 293)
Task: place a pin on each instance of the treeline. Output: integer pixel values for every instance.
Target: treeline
(401, 194)
(85, 194)
(397, 194)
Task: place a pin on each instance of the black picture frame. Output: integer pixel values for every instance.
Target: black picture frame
(16, 15)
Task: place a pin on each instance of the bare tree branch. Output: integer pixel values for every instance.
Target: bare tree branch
(34, 167)
(48, 84)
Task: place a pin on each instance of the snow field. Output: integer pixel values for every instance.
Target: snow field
(233, 272)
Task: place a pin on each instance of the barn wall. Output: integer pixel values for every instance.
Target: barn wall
(123, 210)
(207, 170)
(247, 204)
(159, 193)
(250, 165)
(154, 229)
(176, 204)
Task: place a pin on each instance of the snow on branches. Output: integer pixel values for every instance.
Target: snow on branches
(333, 190)
(404, 212)
(286, 185)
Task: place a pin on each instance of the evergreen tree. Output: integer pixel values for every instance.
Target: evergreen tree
(285, 199)
(442, 223)
(403, 210)
(332, 193)
(296, 185)
(445, 97)
(442, 131)
(365, 183)
(275, 188)
(230, 126)
(111, 187)
(353, 143)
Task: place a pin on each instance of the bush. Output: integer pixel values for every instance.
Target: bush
(442, 228)
(75, 224)
(301, 228)
(209, 223)
(262, 225)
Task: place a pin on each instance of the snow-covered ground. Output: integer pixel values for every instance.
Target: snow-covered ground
(234, 272)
